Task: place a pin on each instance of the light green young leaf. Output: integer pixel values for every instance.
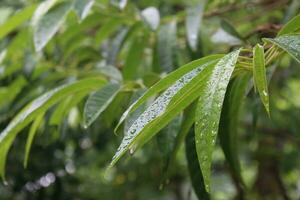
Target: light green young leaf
(259, 75)
(49, 24)
(193, 23)
(82, 8)
(167, 82)
(167, 46)
(151, 17)
(31, 135)
(108, 28)
(292, 26)
(289, 43)
(16, 20)
(228, 123)
(38, 106)
(209, 110)
(98, 102)
(195, 172)
(166, 106)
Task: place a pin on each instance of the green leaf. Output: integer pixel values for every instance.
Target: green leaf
(16, 20)
(31, 135)
(167, 137)
(228, 123)
(121, 4)
(41, 10)
(169, 104)
(49, 24)
(151, 17)
(260, 76)
(65, 106)
(82, 8)
(167, 82)
(116, 46)
(98, 102)
(230, 29)
(209, 110)
(292, 26)
(194, 167)
(166, 46)
(38, 106)
(289, 43)
(187, 122)
(193, 23)
(106, 30)
(134, 58)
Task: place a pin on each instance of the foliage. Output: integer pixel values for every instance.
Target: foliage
(183, 71)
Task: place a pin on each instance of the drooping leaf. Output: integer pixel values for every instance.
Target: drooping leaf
(108, 28)
(65, 106)
(134, 115)
(290, 27)
(260, 76)
(196, 175)
(49, 24)
(230, 29)
(116, 46)
(98, 102)
(209, 110)
(229, 123)
(134, 58)
(38, 106)
(193, 24)
(289, 43)
(166, 106)
(151, 17)
(167, 137)
(188, 120)
(30, 137)
(167, 82)
(42, 9)
(82, 8)
(166, 46)
(16, 20)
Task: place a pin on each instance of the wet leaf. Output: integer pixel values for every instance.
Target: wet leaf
(98, 102)
(49, 24)
(292, 26)
(165, 107)
(288, 43)
(196, 175)
(38, 106)
(167, 82)
(193, 23)
(151, 17)
(260, 76)
(209, 110)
